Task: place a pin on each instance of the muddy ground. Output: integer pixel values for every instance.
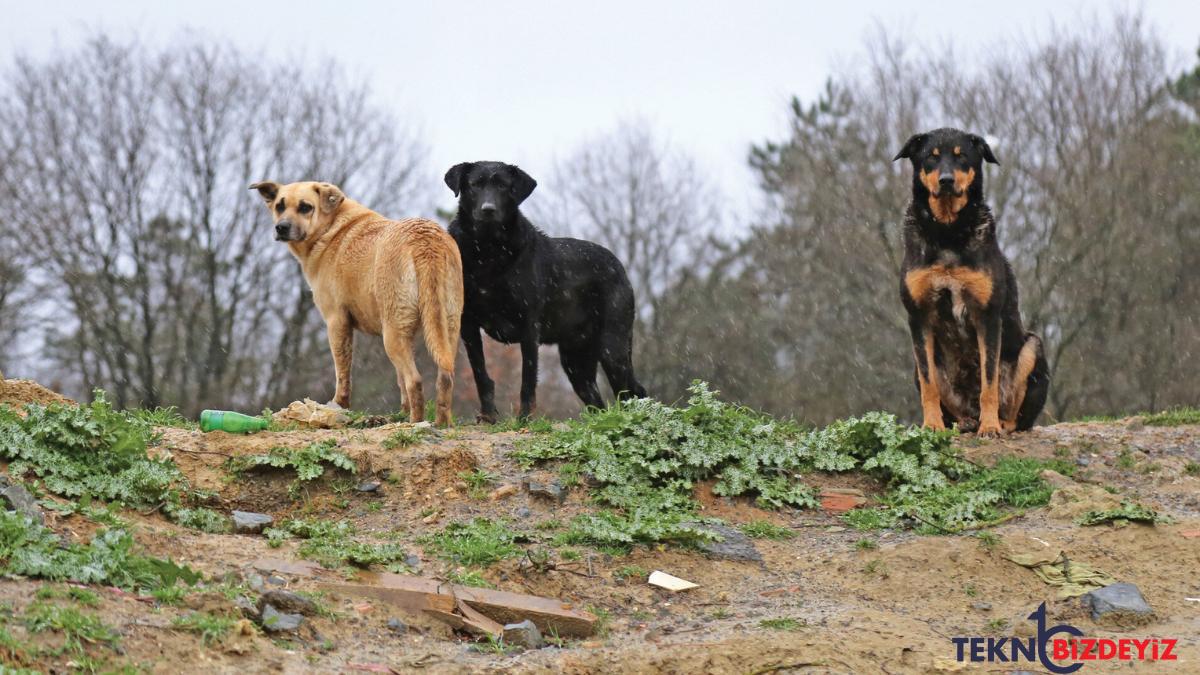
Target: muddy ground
(892, 608)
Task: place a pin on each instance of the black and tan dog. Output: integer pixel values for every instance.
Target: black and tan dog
(977, 367)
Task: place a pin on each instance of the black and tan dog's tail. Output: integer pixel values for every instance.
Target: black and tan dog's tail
(1029, 388)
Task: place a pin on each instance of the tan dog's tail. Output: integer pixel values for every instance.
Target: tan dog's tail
(440, 297)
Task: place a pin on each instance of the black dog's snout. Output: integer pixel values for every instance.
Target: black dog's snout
(487, 209)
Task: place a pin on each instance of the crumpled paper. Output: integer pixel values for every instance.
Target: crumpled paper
(312, 415)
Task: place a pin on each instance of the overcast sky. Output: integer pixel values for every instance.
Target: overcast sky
(525, 82)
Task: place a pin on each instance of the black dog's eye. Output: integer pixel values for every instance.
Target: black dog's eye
(305, 208)
(476, 181)
(279, 206)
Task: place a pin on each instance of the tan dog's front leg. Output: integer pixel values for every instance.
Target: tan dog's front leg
(987, 333)
(341, 345)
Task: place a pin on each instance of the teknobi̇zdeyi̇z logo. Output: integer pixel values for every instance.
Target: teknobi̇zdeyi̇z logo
(1061, 648)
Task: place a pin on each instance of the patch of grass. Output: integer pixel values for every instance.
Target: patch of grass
(875, 567)
(1126, 513)
(603, 625)
(647, 456)
(533, 425)
(334, 544)
(163, 417)
(478, 481)
(14, 654)
(468, 578)
(547, 525)
(308, 462)
(78, 629)
(1192, 468)
(210, 627)
(865, 544)
(720, 613)
(988, 540)
(1174, 417)
(95, 451)
(996, 625)
(403, 438)
(170, 595)
(205, 520)
(478, 543)
(783, 623)
(1126, 460)
(83, 596)
(765, 529)
(494, 645)
(971, 591)
(868, 520)
(630, 571)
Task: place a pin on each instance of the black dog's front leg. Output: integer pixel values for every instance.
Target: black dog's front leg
(529, 370)
(483, 384)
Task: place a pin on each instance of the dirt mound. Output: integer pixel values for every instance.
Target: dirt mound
(17, 393)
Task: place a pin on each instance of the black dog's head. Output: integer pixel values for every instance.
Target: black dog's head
(947, 170)
(489, 192)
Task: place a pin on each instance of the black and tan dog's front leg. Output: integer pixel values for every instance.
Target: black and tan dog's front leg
(529, 370)
(987, 332)
(341, 344)
(925, 353)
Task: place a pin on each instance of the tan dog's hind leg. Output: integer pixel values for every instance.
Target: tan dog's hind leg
(931, 398)
(341, 344)
(989, 381)
(1026, 360)
(398, 343)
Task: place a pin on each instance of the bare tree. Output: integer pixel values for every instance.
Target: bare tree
(646, 201)
(133, 169)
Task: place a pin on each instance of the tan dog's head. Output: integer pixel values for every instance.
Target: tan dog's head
(300, 209)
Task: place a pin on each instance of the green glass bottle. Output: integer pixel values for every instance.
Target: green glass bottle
(233, 422)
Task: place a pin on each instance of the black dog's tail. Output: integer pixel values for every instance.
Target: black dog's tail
(616, 340)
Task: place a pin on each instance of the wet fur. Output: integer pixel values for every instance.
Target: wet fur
(961, 296)
(379, 276)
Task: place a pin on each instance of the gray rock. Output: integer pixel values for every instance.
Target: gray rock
(397, 626)
(248, 609)
(287, 601)
(245, 522)
(733, 545)
(982, 606)
(1082, 461)
(255, 581)
(552, 490)
(522, 512)
(16, 498)
(523, 634)
(276, 580)
(413, 561)
(274, 621)
(369, 486)
(1121, 602)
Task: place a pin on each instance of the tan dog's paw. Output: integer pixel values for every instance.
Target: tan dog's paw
(989, 430)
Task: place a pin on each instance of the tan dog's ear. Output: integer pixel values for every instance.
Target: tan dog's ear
(330, 197)
(269, 189)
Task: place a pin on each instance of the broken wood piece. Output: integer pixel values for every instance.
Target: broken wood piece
(673, 584)
(446, 602)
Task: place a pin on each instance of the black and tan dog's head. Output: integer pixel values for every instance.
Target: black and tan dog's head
(299, 209)
(489, 192)
(947, 170)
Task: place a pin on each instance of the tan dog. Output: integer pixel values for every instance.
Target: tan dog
(383, 277)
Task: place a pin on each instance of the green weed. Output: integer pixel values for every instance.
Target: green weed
(308, 462)
(334, 544)
(478, 543)
(210, 627)
(1126, 513)
(1174, 417)
(78, 629)
(783, 623)
(403, 438)
(468, 578)
(765, 529)
(866, 544)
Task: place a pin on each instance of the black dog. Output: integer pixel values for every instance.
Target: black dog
(976, 365)
(525, 287)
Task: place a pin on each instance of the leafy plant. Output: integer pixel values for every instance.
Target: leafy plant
(308, 462)
(92, 451)
(78, 629)
(533, 425)
(765, 529)
(163, 417)
(1127, 512)
(468, 578)
(865, 544)
(335, 544)
(477, 481)
(404, 437)
(783, 623)
(479, 543)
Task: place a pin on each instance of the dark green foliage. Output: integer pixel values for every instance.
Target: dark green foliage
(1127, 512)
(334, 544)
(94, 451)
(31, 550)
(308, 462)
(648, 457)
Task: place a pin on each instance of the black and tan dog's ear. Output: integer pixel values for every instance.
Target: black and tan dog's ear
(454, 177)
(984, 148)
(523, 184)
(330, 197)
(911, 146)
(269, 189)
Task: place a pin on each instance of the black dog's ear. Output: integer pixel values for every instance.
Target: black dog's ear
(455, 175)
(984, 148)
(523, 184)
(268, 189)
(911, 146)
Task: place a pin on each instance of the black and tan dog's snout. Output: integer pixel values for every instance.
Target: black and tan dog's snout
(946, 183)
